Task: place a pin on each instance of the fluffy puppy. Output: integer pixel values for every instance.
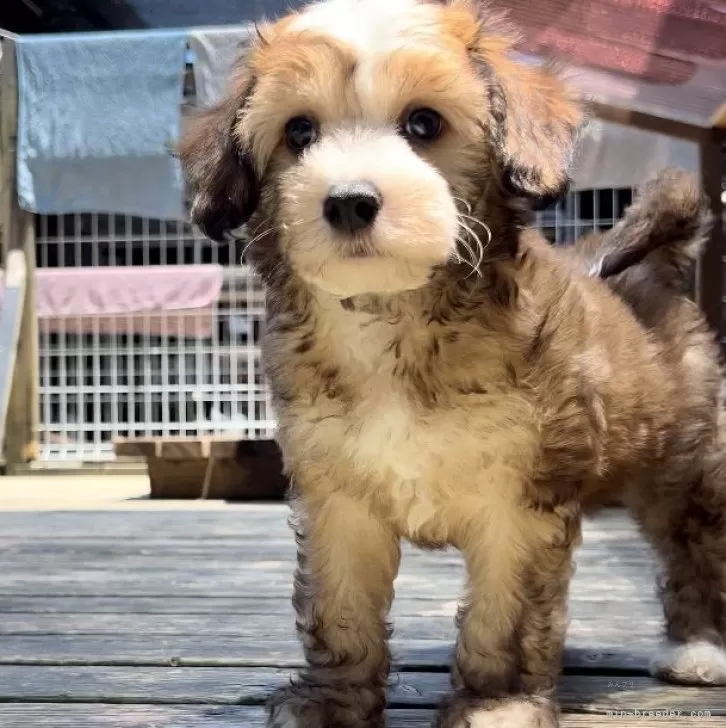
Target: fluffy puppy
(444, 376)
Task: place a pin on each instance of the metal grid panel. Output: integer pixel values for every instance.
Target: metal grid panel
(160, 374)
(111, 378)
(583, 212)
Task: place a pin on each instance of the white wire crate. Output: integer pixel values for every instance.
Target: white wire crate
(583, 212)
(157, 374)
(188, 374)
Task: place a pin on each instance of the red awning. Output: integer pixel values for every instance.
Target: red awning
(662, 57)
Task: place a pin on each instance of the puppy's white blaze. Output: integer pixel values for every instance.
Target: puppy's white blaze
(415, 229)
(370, 26)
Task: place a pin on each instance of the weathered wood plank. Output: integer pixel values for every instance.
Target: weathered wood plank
(273, 626)
(273, 581)
(622, 559)
(277, 533)
(269, 565)
(200, 651)
(626, 553)
(281, 559)
(230, 521)
(614, 578)
(235, 686)
(166, 525)
(169, 609)
(263, 569)
(197, 586)
(59, 715)
(229, 583)
(617, 602)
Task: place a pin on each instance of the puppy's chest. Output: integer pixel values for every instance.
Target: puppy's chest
(417, 414)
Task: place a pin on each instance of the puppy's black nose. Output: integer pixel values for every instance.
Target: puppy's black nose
(352, 207)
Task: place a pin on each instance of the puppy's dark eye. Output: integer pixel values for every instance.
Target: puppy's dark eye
(300, 132)
(423, 124)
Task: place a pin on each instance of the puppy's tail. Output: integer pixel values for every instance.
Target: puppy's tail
(665, 229)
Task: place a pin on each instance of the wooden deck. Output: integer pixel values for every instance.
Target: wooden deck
(142, 614)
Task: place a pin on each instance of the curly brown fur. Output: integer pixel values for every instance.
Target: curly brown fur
(667, 225)
(473, 711)
(446, 377)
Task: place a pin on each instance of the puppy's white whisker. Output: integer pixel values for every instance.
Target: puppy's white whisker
(460, 258)
(486, 228)
(472, 256)
(463, 202)
(308, 221)
(479, 256)
(256, 230)
(479, 222)
(467, 247)
(254, 240)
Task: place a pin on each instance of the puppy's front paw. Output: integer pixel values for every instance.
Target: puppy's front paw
(305, 706)
(690, 663)
(465, 711)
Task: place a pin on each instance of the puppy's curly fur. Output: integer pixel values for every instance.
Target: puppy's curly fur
(446, 377)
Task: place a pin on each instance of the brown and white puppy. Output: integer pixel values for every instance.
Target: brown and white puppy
(442, 375)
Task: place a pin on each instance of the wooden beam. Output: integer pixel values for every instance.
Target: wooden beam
(718, 120)
(649, 122)
(8, 112)
(710, 271)
(11, 319)
(708, 284)
(18, 234)
(21, 445)
(111, 14)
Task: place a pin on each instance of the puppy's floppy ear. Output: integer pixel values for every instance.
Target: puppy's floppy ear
(219, 173)
(534, 120)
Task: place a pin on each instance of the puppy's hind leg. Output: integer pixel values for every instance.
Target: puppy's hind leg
(686, 522)
(347, 562)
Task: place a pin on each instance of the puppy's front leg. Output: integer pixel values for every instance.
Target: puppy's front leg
(347, 562)
(512, 623)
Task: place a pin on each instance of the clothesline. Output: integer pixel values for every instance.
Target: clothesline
(99, 111)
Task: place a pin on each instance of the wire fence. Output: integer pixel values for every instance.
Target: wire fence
(189, 373)
(154, 374)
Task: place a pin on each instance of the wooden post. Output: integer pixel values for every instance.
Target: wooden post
(710, 273)
(709, 276)
(21, 438)
(11, 321)
(649, 122)
(18, 233)
(8, 112)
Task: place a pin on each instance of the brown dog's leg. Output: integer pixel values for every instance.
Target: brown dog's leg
(347, 562)
(512, 625)
(686, 522)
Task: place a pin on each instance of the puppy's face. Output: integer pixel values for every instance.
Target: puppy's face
(370, 129)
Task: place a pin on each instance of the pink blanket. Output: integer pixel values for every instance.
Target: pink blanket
(156, 300)
(104, 291)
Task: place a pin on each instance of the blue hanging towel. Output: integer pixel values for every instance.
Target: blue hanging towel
(216, 52)
(98, 114)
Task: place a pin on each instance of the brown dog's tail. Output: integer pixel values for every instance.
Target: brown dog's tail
(665, 229)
